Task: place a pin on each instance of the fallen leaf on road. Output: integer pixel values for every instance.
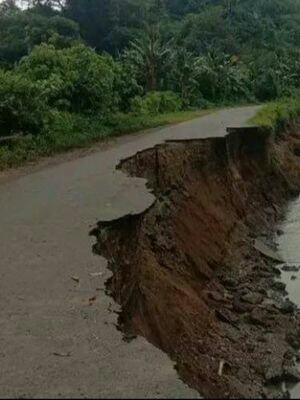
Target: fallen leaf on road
(62, 354)
(221, 367)
(95, 274)
(75, 279)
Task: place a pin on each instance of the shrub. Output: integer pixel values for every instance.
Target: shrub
(61, 131)
(76, 79)
(64, 130)
(126, 84)
(21, 105)
(156, 103)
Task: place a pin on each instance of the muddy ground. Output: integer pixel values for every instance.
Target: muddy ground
(194, 273)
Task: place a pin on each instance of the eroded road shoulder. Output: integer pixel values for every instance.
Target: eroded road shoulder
(58, 331)
(197, 272)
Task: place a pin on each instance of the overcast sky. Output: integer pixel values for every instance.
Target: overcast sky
(18, 2)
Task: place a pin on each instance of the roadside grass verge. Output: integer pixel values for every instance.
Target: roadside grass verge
(64, 132)
(276, 116)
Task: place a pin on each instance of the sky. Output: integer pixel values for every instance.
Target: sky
(19, 2)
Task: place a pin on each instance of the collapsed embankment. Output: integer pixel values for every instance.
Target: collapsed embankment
(189, 271)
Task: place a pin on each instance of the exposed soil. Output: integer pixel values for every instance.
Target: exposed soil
(189, 273)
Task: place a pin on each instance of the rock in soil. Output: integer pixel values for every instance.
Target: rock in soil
(292, 374)
(290, 268)
(293, 339)
(252, 298)
(287, 307)
(280, 286)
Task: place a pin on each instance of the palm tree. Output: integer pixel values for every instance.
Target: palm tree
(183, 74)
(149, 54)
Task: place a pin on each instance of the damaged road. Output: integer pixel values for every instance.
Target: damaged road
(196, 272)
(58, 335)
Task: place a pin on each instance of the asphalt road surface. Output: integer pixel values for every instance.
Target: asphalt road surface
(53, 343)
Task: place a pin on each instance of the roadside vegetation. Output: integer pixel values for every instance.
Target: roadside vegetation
(279, 114)
(69, 131)
(73, 72)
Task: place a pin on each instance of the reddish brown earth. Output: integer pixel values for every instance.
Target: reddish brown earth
(187, 273)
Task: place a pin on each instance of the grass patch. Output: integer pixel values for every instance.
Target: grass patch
(127, 123)
(65, 131)
(278, 115)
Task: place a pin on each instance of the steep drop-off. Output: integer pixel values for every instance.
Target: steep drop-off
(191, 272)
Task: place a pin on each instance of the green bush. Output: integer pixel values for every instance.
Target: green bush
(156, 103)
(76, 79)
(64, 130)
(21, 105)
(126, 84)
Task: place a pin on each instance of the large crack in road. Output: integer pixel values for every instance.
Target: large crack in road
(195, 273)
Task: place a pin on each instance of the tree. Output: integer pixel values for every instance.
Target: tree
(93, 17)
(57, 30)
(75, 79)
(208, 31)
(8, 6)
(50, 4)
(183, 76)
(275, 74)
(108, 24)
(222, 77)
(21, 30)
(12, 36)
(149, 55)
(21, 104)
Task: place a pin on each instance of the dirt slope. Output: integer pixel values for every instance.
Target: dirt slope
(188, 272)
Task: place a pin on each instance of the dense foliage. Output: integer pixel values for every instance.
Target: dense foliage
(75, 79)
(68, 63)
(21, 104)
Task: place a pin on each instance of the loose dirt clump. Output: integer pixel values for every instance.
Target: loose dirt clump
(188, 272)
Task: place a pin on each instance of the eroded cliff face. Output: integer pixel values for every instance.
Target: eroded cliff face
(189, 273)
